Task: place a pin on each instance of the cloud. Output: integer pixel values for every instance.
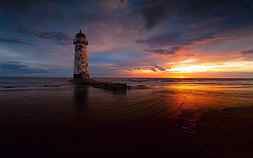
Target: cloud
(156, 12)
(58, 37)
(248, 52)
(162, 51)
(14, 41)
(160, 68)
(16, 68)
(188, 23)
(188, 35)
(153, 68)
(175, 41)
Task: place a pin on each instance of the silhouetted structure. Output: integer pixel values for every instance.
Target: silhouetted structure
(81, 57)
(81, 72)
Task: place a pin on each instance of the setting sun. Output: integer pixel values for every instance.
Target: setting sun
(193, 68)
(196, 70)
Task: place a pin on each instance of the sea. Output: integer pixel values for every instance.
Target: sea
(15, 83)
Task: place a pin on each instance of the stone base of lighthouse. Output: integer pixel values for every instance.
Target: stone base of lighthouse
(81, 77)
(77, 76)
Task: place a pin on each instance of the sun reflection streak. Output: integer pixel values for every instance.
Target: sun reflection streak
(196, 96)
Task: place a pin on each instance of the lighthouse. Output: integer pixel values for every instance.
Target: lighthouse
(81, 73)
(81, 57)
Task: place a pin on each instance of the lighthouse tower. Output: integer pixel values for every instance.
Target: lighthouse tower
(81, 57)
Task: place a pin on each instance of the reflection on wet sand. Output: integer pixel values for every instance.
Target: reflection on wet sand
(206, 96)
(81, 98)
(187, 103)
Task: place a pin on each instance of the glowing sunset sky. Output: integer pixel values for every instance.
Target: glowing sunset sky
(128, 38)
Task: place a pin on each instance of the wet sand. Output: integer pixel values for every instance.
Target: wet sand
(227, 133)
(175, 119)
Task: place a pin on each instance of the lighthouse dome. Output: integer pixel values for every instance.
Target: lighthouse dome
(80, 35)
(80, 38)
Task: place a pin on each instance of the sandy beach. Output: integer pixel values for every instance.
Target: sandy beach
(197, 119)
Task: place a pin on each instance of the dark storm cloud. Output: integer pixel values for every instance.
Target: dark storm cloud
(57, 37)
(248, 52)
(17, 68)
(151, 68)
(194, 21)
(160, 68)
(18, 5)
(154, 68)
(14, 41)
(178, 40)
(163, 51)
(156, 11)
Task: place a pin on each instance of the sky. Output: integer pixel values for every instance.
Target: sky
(128, 38)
